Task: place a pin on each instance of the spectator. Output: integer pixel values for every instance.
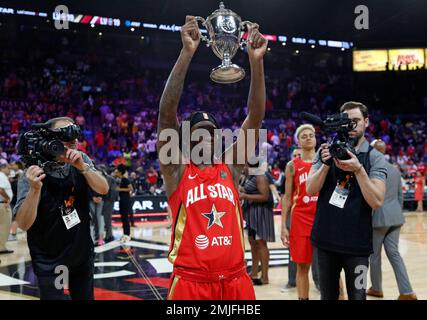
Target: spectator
(6, 196)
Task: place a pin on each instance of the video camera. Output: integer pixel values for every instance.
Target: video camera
(43, 144)
(341, 125)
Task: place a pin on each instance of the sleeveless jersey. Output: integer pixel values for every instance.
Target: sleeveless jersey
(207, 220)
(304, 206)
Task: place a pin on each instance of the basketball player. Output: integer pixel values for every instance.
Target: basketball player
(302, 207)
(207, 245)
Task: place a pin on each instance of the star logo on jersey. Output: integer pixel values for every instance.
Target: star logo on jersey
(214, 217)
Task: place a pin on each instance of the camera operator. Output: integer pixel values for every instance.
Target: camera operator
(349, 190)
(53, 206)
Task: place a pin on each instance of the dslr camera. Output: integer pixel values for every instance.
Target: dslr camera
(41, 145)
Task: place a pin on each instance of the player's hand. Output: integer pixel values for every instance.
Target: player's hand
(257, 43)
(73, 157)
(190, 35)
(284, 236)
(35, 175)
(325, 154)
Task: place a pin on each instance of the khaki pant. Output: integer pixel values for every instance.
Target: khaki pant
(5, 222)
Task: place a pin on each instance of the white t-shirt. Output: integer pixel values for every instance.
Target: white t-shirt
(5, 184)
(151, 145)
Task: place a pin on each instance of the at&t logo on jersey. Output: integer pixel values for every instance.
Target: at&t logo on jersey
(307, 199)
(202, 241)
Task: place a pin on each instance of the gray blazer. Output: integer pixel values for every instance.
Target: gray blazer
(390, 213)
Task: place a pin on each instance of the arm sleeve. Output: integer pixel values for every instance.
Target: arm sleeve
(378, 166)
(23, 188)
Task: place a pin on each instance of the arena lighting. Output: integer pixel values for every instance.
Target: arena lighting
(268, 49)
(132, 29)
(283, 43)
(296, 51)
(114, 22)
(299, 40)
(335, 44)
(142, 37)
(100, 34)
(269, 37)
(92, 25)
(313, 46)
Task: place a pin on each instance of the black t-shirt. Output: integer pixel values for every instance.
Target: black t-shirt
(348, 230)
(124, 195)
(49, 241)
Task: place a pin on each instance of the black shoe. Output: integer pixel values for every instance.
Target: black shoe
(109, 239)
(257, 282)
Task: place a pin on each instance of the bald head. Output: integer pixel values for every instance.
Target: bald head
(380, 146)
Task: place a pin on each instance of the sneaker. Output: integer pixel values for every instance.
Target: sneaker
(125, 238)
(287, 288)
(12, 237)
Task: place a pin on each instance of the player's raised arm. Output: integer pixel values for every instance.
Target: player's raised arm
(169, 101)
(257, 47)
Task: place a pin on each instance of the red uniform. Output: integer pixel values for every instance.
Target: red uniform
(207, 244)
(419, 192)
(302, 215)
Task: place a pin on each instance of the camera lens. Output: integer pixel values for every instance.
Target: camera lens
(53, 148)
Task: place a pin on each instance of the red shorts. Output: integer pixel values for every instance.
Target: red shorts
(228, 285)
(301, 249)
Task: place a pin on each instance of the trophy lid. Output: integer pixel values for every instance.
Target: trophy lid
(222, 11)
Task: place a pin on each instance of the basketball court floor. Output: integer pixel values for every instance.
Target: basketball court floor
(140, 270)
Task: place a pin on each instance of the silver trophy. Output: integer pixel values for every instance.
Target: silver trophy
(225, 29)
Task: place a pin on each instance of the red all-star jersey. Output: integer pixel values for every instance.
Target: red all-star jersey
(304, 206)
(207, 220)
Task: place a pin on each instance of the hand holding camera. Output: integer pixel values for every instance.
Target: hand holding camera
(325, 155)
(73, 157)
(35, 175)
(350, 165)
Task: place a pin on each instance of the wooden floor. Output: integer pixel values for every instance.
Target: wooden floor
(413, 248)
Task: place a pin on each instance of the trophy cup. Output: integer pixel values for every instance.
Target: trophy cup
(225, 29)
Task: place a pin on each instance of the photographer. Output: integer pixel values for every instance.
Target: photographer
(348, 191)
(53, 206)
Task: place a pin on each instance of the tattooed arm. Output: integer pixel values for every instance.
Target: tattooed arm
(169, 101)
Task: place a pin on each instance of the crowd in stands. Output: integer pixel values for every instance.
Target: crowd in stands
(116, 105)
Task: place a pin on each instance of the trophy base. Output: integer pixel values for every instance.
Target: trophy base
(227, 74)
